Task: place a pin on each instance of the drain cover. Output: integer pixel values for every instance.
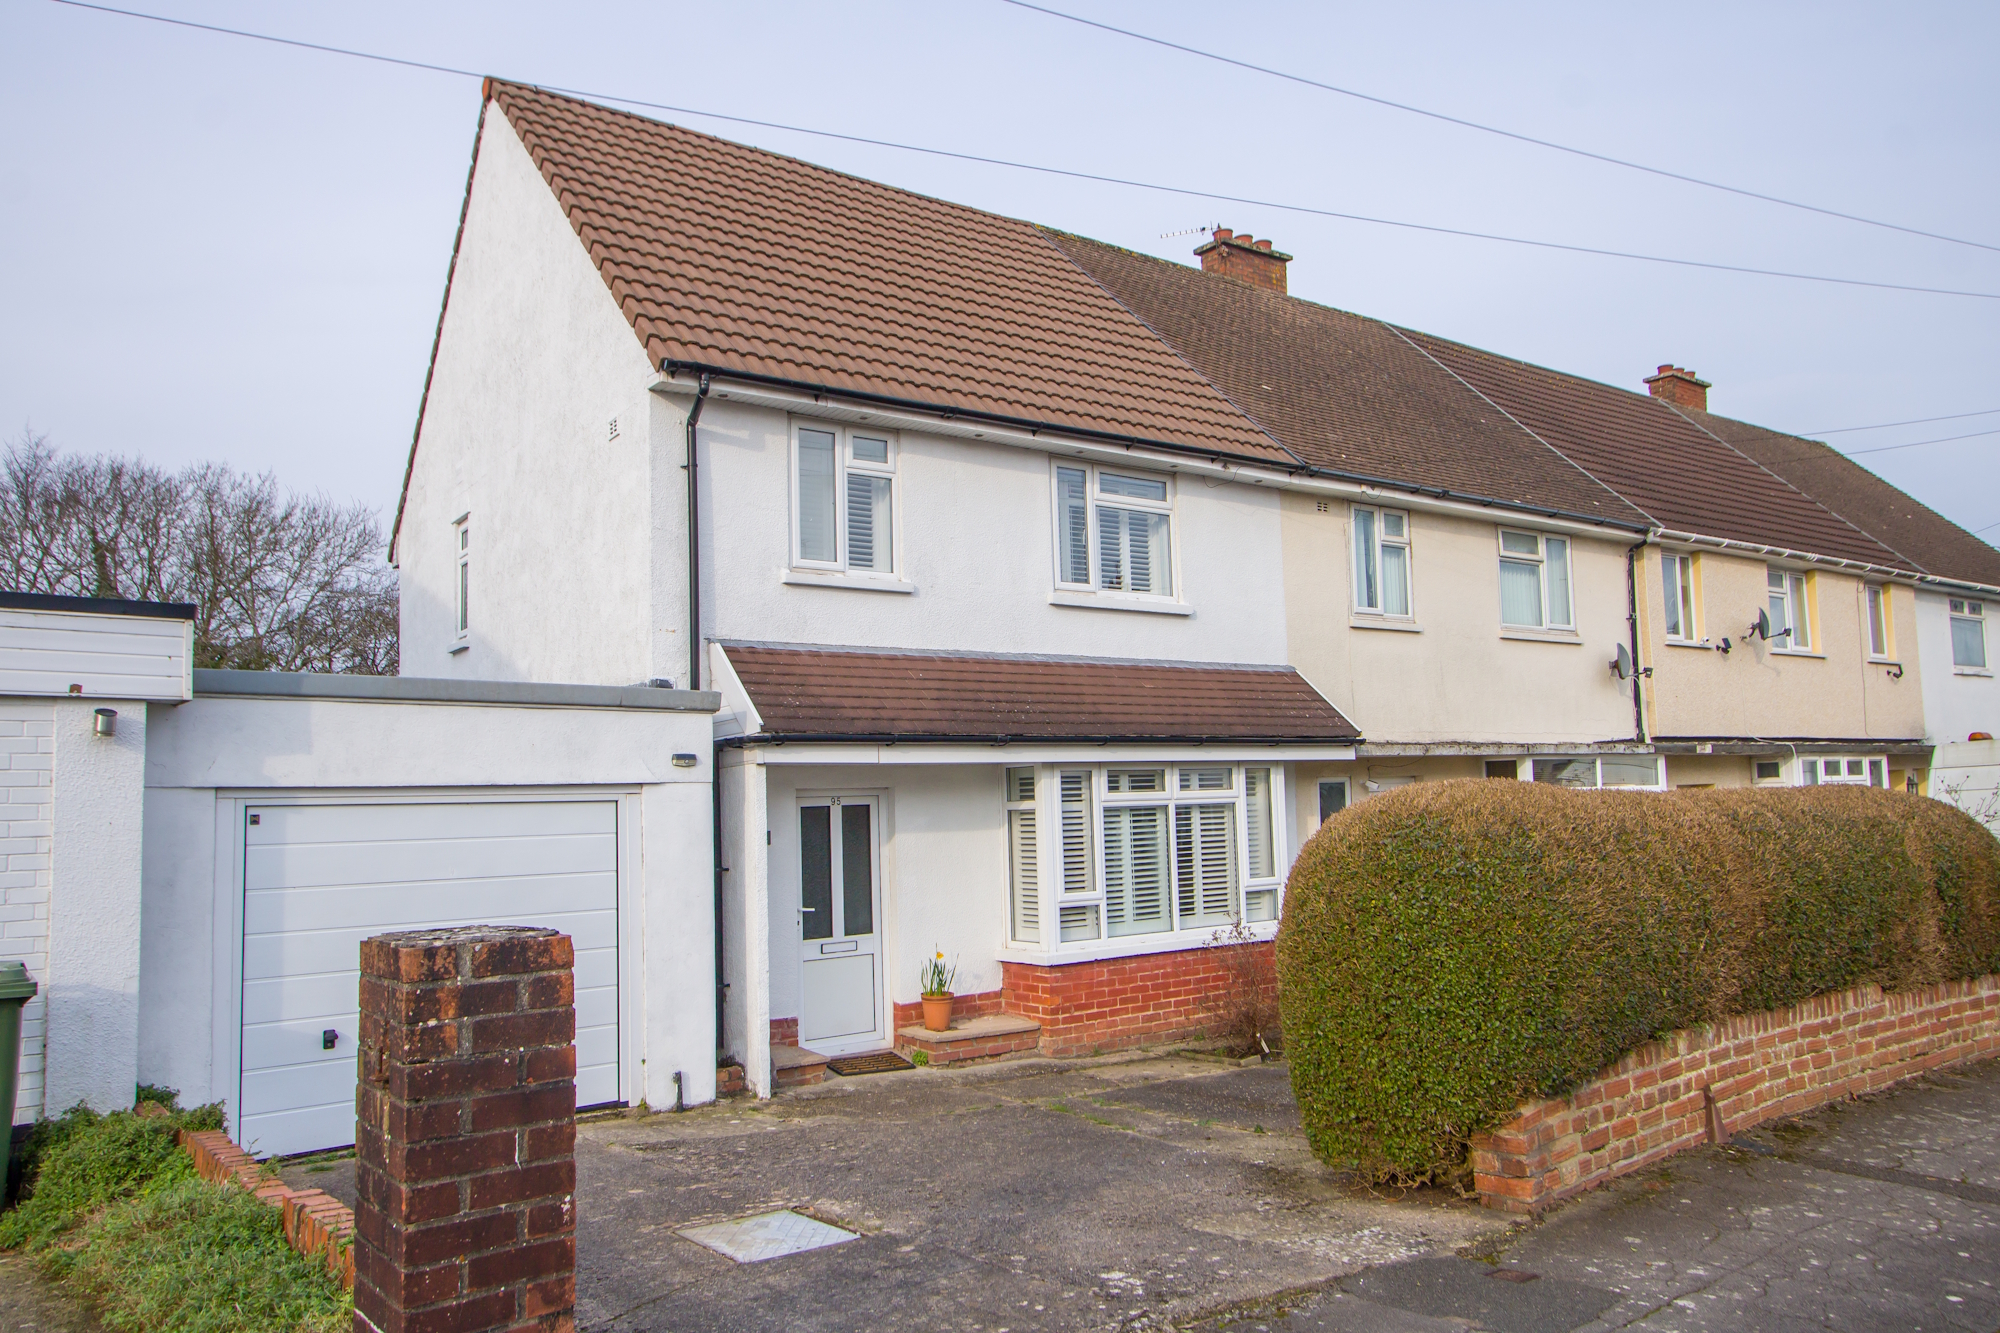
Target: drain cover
(766, 1236)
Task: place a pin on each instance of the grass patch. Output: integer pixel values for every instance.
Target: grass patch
(112, 1209)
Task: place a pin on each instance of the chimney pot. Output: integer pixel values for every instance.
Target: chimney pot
(1680, 387)
(1246, 259)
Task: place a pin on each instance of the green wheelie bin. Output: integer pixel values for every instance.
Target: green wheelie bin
(16, 989)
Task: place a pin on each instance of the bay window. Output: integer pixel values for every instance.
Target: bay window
(1535, 581)
(843, 497)
(1381, 561)
(1113, 530)
(1143, 850)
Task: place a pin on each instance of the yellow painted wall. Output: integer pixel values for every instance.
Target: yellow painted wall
(1833, 691)
(1456, 678)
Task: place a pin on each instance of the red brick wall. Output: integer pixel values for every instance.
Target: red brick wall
(1706, 1083)
(465, 1132)
(962, 1006)
(784, 1032)
(1114, 1003)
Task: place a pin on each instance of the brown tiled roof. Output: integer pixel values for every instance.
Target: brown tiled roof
(1684, 478)
(1344, 393)
(834, 693)
(1925, 537)
(729, 256)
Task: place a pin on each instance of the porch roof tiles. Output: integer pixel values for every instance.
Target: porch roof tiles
(815, 693)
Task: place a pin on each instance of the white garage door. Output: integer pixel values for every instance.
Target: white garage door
(319, 879)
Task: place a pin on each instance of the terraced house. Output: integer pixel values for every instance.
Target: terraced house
(1055, 593)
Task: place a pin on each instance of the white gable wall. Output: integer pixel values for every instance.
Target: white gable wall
(534, 363)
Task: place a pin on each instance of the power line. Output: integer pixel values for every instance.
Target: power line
(1918, 421)
(1886, 448)
(1492, 129)
(1051, 171)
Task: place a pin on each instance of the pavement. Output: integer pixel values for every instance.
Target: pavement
(30, 1303)
(1163, 1192)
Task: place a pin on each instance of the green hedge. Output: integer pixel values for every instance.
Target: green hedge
(1451, 949)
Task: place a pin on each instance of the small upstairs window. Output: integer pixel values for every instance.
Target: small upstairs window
(1677, 580)
(461, 540)
(1881, 623)
(1968, 634)
(1790, 610)
(1381, 561)
(1113, 531)
(844, 499)
(1534, 581)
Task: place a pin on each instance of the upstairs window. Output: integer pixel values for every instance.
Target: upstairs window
(1790, 610)
(461, 539)
(1677, 574)
(844, 496)
(1881, 626)
(1534, 581)
(1381, 561)
(1113, 531)
(1968, 634)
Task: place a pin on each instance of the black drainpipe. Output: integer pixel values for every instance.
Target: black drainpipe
(694, 543)
(1632, 628)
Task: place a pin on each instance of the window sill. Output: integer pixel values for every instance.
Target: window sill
(816, 578)
(1795, 652)
(1971, 671)
(1125, 946)
(1097, 601)
(456, 649)
(1525, 635)
(1705, 645)
(1884, 662)
(1384, 622)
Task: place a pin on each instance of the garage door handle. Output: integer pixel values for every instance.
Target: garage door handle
(328, 1038)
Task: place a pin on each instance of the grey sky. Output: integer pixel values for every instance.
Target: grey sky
(219, 248)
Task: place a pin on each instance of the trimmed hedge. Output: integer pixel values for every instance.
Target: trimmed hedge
(1451, 949)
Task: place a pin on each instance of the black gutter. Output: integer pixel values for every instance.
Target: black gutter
(1297, 468)
(905, 738)
(694, 540)
(102, 606)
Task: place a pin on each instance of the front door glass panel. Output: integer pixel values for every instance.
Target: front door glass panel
(857, 881)
(816, 872)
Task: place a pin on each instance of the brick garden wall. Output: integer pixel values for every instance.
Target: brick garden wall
(1114, 1003)
(1702, 1084)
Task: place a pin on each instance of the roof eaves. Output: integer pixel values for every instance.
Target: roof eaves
(1019, 738)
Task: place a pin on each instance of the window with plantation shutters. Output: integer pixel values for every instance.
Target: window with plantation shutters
(843, 500)
(1023, 857)
(1135, 869)
(1113, 531)
(1260, 852)
(1078, 915)
(1205, 864)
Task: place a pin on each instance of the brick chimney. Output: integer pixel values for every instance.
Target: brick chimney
(1246, 259)
(1679, 387)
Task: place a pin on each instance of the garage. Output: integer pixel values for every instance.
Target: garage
(320, 878)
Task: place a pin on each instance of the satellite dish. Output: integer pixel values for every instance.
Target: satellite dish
(1621, 665)
(1762, 629)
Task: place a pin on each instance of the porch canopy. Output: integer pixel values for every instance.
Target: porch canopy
(791, 692)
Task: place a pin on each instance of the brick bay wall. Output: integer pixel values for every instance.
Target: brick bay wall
(1700, 1085)
(465, 1133)
(1114, 1003)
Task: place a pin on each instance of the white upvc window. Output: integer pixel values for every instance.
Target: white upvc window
(1677, 585)
(461, 540)
(1881, 622)
(1114, 530)
(1381, 561)
(1844, 770)
(1790, 597)
(1535, 581)
(1641, 772)
(843, 499)
(1968, 634)
(1145, 849)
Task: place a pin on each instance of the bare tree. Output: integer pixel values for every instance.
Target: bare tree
(279, 582)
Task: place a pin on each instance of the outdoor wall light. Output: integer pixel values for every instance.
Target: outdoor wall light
(105, 723)
(685, 761)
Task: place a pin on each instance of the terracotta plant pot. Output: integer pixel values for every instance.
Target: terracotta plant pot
(937, 1013)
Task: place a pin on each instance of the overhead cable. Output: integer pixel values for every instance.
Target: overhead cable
(1051, 171)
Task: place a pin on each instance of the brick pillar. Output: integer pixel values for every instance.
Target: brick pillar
(465, 1133)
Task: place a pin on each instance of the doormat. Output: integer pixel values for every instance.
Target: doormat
(767, 1236)
(881, 1062)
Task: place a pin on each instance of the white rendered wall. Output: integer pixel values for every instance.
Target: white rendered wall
(977, 543)
(1957, 702)
(93, 980)
(116, 656)
(27, 770)
(206, 754)
(534, 364)
(746, 932)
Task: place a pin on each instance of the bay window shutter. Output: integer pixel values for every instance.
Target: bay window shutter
(1259, 856)
(1076, 921)
(1205, 863)
(1021, 853)
(1135, 869)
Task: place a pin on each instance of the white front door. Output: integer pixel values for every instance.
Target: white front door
(841, 1007)
(320, 878)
